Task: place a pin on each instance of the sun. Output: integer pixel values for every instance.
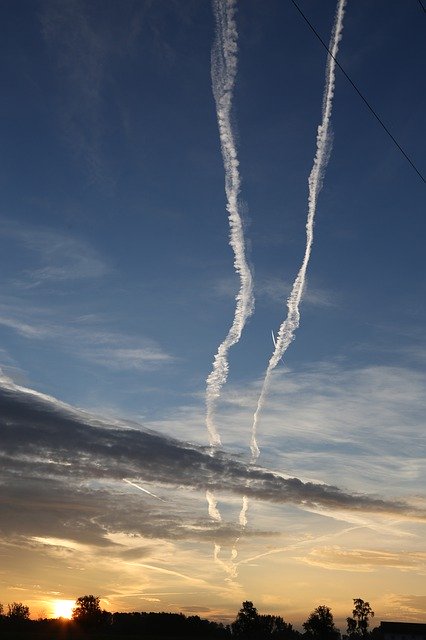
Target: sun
(63, 608)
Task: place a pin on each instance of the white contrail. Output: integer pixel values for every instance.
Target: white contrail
(291, 323)
(242, 521)
(229, 567)
(243, 513)
(133, 484)
(223, 71)
(213, 510)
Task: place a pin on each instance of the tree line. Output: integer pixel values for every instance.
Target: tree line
(91, 622)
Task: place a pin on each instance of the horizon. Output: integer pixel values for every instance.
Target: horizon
(212, 370)
(73, 604)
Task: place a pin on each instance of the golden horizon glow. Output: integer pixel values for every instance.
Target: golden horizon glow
(63, 608)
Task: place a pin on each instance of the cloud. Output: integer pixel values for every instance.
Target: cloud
(84, 338)
(195, 609)
(412, 603)
(60, 256)
(59, 456)
(329, 421)
(65, 510)
(278, 290)
(404, 607)
(137, 358)
(23, 328)
(364, 560)
(83, 44)
(56, 261)
(81, 53)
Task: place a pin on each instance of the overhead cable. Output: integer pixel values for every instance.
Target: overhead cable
(368, 105)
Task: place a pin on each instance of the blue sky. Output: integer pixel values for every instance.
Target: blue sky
(118, 284)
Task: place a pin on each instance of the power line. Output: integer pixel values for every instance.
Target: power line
(368, 105)
(422, 5)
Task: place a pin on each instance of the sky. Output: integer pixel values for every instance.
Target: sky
(118, 286)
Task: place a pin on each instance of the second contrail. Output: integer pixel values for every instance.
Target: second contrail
(290, 324)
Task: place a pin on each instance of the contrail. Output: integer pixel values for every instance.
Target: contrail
(133, 484)
(243, 513)
(170, 572)
(213, 510)
(243, 518)
(242, 521)
(229, 567)
(288, 327)
(223, 72)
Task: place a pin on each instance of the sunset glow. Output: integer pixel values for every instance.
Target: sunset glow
(63, 608)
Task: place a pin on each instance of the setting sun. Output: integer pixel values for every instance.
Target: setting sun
(63, 608)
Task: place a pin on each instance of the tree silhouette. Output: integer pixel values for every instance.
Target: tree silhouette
(250, 625)
(320, 625)
(275, 627)
(18, 611)
(357, 626)
(247, 622)
(88, 612)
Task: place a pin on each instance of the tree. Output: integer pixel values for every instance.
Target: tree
(357, 626)
(275, 627)
(320, 624)
(88, 611)
(351, 628)
(247, 623)
(18, 611)
(250, 625)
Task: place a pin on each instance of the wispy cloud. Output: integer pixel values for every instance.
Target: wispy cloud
(136, 358)
(58, 257)
(83, 46)
(23, 328)
(408, 606)
(364, 560)
(84, 338)
(278, 290)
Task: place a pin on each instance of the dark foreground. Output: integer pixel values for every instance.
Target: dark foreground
(91, 623)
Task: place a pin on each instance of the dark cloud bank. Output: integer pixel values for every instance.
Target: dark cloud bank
(55, 461)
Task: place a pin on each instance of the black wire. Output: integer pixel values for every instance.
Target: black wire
(358, 91)
(422, 5)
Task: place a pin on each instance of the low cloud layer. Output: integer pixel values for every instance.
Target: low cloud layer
(56, 454)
